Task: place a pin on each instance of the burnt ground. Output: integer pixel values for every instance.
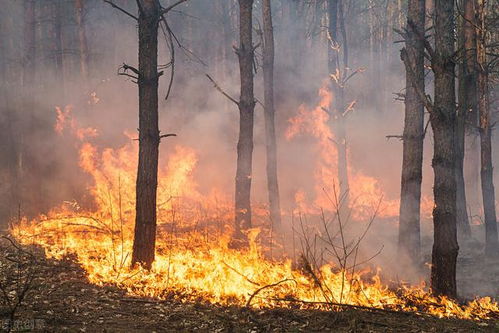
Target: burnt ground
(58, 297)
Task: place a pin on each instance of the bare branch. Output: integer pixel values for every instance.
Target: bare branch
(167, 9)
(121, 9)
(135, 79)
(126, 67)
(221, 90)
(167, 135)
(357, 71)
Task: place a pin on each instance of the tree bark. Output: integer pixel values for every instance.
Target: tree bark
(82, 37)
(443, 122)
(269, 111)
(336, 74)
(147, 173)
(409, 240)
(245, 53)
(467, 104)
(488, 194)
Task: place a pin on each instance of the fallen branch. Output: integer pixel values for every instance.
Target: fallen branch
(352, 306)
(143, 300)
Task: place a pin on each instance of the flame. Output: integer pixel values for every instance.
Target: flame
(366, 191)
(64, 120)
(193, 259)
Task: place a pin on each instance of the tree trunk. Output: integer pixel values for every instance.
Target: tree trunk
(412, 162)
(467, 104)
(488, 194)
(222, 65)
(443, 122)
(268, 82)
(29, 44)
(59, 50)
(245, 54)
(147, 173)
(336, 74)
(297, 35)
(82, 37)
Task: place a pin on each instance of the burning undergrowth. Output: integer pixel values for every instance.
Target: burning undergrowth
(196, 266)
(194, 261)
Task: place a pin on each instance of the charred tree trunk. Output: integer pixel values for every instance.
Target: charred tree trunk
(468, 99)
(246, 104)
(488, 194)
(337, 88)
(271, 146)
(467, 104)
(147, 173)
(82, 37)
(443, 122)
(409, 241)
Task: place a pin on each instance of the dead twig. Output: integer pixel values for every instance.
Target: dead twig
(167, 9)
(248, 303)
(221, 90)
(121, 9)
(241, 274)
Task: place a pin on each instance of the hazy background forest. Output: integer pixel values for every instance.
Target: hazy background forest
(40, 164)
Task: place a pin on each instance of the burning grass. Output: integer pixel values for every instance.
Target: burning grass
(193, 268)
(61, 298)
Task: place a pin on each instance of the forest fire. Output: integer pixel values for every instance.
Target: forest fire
(194, 260)
(249, 166)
